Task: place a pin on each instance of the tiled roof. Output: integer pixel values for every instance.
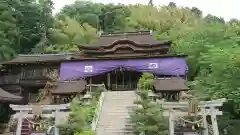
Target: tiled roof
(32, 58)
(170, 84)
(6, 96)
(69, 87)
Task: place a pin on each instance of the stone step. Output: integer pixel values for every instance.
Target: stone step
(106, 122)
(118, 100)
(115, 109)
(115, 113)
(131, 97)
(121, 99)
(121, 92)
(114, 104)
(107, 127)
(120, 96)
(114, 133)
(119, 108)
(112, 129)
(112, 115)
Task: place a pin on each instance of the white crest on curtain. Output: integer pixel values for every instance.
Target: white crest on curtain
(88, 69)
(153, 65)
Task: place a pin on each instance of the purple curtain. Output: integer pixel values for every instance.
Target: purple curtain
(159, 66)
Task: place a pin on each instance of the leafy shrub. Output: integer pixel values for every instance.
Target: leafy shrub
(148, 118)
(81, 116)
(146, 81)
(85, 132)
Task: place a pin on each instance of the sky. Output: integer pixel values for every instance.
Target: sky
(222, 8)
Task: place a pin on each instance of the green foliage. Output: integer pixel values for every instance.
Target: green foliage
(21, 29)
(146, 81)
(103, 17)
(67, 33)
(148, 117)
(86, 132)
(80, 118)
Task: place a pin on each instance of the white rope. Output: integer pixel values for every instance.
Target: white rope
(188, 121)
(192, 122)
(34, 123)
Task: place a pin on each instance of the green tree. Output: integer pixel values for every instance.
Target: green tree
(103, 17)
(8, 30)
(67, 33)
(148, 117)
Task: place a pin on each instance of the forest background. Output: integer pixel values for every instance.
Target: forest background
(211, 43)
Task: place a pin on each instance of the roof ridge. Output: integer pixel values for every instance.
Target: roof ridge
(166, 78)
(54, 54)
(149, 32)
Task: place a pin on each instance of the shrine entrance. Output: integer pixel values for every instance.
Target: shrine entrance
(120, 79)
(123, 79)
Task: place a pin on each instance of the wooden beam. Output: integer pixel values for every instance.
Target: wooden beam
(25, 115)
(44, 107)
(202, 104)
(206, 112)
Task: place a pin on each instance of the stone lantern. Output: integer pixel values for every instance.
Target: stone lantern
(86, 99)
(152, 95)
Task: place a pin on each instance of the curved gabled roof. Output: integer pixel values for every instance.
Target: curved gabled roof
(138, 39)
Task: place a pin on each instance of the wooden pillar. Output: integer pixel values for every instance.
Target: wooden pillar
(214, 122)
(123, 79)
(90, 82)
(171, 123)
(116, 79)
(130, 82)
(109, 80)
(205, 124)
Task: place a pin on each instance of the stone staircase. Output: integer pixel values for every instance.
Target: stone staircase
(115, 111)
(25, 130)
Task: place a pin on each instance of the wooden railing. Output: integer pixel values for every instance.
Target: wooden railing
(11, 79)
(36, 73)
(124, 86)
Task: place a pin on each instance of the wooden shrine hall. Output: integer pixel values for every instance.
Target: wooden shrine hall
(169, 89)
(115, 59)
